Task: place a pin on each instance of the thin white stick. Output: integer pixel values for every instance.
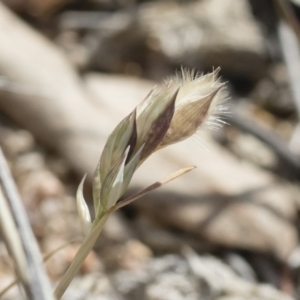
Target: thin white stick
(21, 241)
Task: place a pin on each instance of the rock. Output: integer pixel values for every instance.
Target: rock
(228, 202)
(194, 277)
(16, 142)
(202, 34)
(91, 286)
(133, 254)
(274, 92)
(162, 35)
(163, 240)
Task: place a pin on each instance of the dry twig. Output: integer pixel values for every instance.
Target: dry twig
(20, 239)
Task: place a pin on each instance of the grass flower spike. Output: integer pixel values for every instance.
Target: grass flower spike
(200, 99)
(169, 114)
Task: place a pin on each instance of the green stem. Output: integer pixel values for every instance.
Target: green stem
(80, 256)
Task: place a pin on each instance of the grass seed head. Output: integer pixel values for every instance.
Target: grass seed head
(169, 114)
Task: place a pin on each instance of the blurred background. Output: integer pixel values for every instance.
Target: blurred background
(70, 70)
